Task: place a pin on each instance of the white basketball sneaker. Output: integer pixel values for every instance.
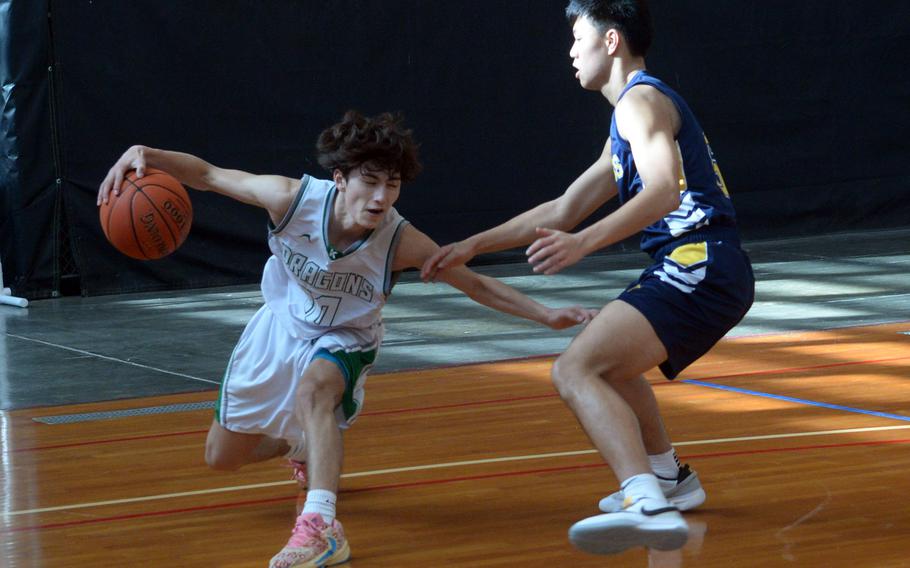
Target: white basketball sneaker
(650, 523)
(685, 492)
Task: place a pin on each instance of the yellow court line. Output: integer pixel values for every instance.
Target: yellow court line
(434, 466)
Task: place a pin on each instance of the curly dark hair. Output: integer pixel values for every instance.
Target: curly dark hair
(380, 143)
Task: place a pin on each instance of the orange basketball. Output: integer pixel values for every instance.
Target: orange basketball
(150, 218)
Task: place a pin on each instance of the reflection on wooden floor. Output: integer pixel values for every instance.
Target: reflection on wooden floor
(804, 453)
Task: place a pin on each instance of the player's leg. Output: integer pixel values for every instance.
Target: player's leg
(691, 298)
(616, 347)
(250, 419)
(318, 395)
(318, 538)
(637, 392)
(679, 482)
(227, 450)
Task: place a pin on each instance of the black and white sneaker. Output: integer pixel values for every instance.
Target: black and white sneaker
(647, 522)
(685, 492)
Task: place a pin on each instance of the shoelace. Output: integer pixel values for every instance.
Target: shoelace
(307, 531)
(298, 471)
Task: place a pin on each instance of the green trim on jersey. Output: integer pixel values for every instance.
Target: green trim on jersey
(330, 250)
(352, 364)
(304, 184)
(389, 280)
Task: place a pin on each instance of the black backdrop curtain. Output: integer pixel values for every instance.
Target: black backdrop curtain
(806, 105)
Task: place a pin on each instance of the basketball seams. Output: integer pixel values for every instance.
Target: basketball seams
(164, 219)
(128, 238)
(132, 219)
(106, 221)
(182, 198)
(187, 209)
(155, 198)
(176, 195)
(184, 201)
(110, 212)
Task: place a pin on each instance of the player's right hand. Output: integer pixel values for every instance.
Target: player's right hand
(454, 254)
(132, 159)
(562, 318)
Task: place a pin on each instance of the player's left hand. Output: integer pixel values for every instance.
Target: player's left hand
(561, 318)
(554, 250)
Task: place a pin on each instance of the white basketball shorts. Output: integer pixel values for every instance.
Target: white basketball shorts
(258, 393)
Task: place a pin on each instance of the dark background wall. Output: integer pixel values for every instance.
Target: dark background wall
(807, 105)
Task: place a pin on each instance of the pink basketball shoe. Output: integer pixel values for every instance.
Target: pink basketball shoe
(313, 544)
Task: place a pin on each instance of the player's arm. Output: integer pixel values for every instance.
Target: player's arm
(594, 187)
(415, 247)
(647, 119)
(271, 192)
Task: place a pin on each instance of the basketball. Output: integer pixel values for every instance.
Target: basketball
(150, 218)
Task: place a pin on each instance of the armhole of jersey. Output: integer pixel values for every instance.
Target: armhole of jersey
(304, 184)
(665, 90)
(679, 112)
(653, 83)
(388, 281)
(327, 202)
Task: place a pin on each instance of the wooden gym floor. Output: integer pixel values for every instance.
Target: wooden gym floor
(798, 424)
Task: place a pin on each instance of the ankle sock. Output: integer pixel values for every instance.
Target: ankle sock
(642, 486)
(666, 465)
(322, 502)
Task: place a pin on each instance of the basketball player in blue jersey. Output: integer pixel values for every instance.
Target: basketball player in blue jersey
(296, 377)
(700, 285)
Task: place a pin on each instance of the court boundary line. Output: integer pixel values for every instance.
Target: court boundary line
(723, 339)
(804, 401)
(443, 465)
(693, 381)
(114, 359)
(434, 367)
(428, 482)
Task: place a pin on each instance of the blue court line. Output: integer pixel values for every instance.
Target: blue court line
(797, 400)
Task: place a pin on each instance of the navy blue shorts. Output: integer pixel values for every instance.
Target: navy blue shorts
(692, 297)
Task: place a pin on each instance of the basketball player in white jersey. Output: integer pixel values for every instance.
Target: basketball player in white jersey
(296, 376)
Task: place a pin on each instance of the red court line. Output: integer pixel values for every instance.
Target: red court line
(793, 369)
(429, 482)
(148, 514)
(486, 402)
(108, 441)
(554, 355)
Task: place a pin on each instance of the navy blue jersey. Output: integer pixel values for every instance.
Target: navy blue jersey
(705, 205)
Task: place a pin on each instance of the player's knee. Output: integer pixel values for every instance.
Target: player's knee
(572, 371)
(319, 392)
(218, 459)
(566, 373)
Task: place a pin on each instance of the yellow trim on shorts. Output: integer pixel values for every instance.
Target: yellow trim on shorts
(690, 254)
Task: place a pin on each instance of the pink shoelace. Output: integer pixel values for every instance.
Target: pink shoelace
(298, 472)
(307, 531)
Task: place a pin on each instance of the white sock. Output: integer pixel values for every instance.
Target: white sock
(297, 451)
(322, 502)
(642, 486)
(666, 465)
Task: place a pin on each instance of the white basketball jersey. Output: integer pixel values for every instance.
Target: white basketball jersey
(311, 287)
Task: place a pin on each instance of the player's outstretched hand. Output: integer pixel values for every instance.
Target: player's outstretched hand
(554, 250)
(561, 318)
(132, 159)
(454, 254)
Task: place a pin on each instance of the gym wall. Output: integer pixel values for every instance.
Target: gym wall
(804, 103)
